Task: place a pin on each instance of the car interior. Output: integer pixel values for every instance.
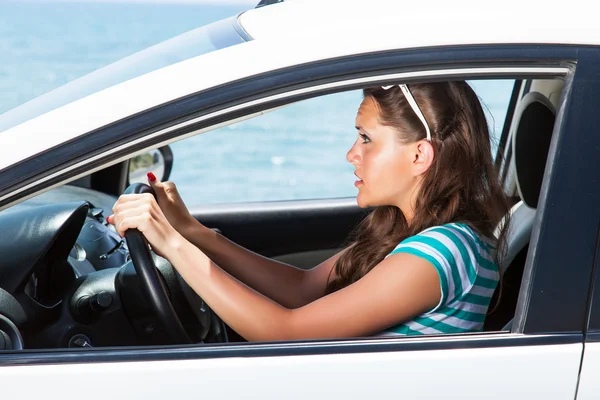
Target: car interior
(67, 280)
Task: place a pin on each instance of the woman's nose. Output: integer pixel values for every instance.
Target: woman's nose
(352, 156)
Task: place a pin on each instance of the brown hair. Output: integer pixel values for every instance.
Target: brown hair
(461, 184)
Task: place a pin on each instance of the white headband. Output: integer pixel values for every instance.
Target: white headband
(413, 104)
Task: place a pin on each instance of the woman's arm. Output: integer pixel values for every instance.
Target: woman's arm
(400, 287)
(290, 286)
(287, 285)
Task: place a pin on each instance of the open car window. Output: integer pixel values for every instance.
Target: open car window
(297, 152)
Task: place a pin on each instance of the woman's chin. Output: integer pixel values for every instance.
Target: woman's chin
(362, 201)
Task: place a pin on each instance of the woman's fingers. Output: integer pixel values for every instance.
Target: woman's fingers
(142, 212)
(127, 201)
(152, 179)
(134, 221)
(122, 219)
(127, 206)
(155, 184)
(164, 190)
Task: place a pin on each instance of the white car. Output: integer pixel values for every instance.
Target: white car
(79, 320)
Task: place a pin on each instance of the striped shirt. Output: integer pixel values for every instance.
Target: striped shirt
(468, 277)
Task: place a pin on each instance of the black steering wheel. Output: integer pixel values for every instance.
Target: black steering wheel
(152, 285)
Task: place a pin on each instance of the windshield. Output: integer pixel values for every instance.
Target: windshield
(206, 39)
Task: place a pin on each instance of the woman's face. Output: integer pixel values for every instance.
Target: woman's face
(385, 168)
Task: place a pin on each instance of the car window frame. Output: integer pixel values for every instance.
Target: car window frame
(503, 152)
(216, 105)
(279, 96)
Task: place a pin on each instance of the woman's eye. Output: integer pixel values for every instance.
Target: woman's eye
(364, 137)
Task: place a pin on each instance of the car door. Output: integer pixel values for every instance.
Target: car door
(540, 355)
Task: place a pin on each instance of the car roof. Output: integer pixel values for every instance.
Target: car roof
(434, 21)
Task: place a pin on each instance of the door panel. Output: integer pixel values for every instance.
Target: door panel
(589, 385)
(302, 231)
(543, 371)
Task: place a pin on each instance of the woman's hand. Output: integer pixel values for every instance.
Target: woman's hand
(142, 212)
(171, 204)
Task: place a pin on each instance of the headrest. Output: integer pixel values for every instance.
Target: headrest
(534, 120)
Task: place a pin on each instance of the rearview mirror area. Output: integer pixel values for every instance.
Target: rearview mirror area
(158, 161)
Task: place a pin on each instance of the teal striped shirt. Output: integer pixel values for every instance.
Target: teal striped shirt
(468, 275)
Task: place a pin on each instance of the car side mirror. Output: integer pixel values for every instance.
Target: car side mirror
(158, 161)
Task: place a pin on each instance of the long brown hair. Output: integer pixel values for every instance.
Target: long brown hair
(461, 184)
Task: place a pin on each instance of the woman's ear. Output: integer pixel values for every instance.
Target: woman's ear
(423, 157)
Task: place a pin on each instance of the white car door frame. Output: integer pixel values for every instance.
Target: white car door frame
(542, 354)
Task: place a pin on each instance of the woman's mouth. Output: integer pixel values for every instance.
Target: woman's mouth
(358, 182)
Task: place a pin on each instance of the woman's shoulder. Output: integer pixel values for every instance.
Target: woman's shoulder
(451, 237)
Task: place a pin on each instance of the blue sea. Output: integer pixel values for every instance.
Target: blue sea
(298, 152)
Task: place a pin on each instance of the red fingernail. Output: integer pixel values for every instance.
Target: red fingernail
(151, 177)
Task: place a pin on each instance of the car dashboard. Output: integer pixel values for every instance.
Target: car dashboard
(67, 280)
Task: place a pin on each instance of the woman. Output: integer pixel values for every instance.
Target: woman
(424, 261)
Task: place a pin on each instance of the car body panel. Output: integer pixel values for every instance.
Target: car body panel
(589, 385)
(549, 372)
(422, 24)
